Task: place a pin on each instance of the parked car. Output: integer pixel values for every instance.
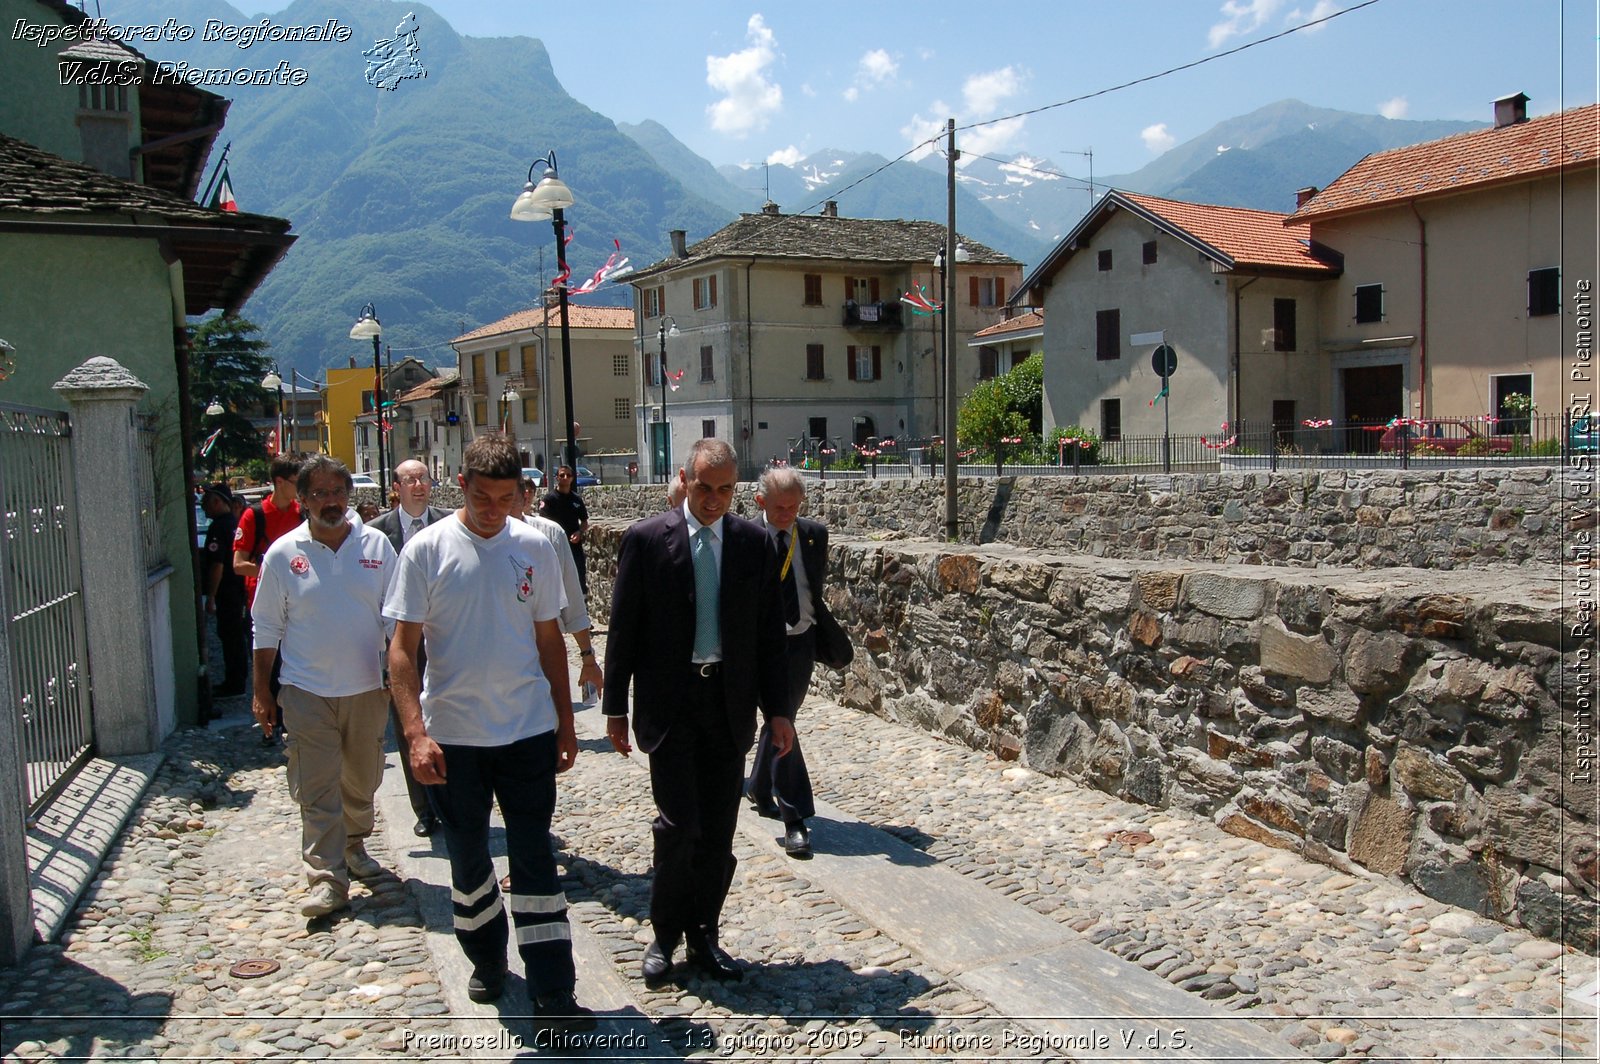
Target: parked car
(584, 478)
(202, 525)
(1584, 434)
(362, 480)
(536, 473)
(1442, 436)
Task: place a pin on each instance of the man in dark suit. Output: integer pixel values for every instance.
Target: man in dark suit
(415, 488)
(780, 787)
(697, 632)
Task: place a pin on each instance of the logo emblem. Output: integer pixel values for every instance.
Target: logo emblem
(299, 565)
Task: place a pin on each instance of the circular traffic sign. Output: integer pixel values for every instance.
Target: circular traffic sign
(1164, 360)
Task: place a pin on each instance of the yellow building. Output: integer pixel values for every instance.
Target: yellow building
(346, 396)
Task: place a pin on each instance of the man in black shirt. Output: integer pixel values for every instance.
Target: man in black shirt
(224, 590)
(565, 507)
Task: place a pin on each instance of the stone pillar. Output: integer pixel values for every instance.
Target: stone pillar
(16, 903)
(106, 471)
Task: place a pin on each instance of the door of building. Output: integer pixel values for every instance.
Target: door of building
(1373, 395)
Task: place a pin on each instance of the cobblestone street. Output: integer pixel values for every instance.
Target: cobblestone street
(1260, 947)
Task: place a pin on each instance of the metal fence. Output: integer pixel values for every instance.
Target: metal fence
(1404, 443)
(45, 628)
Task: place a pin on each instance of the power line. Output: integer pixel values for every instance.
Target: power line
(1170, 70)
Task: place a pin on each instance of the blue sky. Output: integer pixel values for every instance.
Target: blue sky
(744, 83)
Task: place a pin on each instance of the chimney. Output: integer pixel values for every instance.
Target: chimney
(1302, 196)
(680, 243)
(1509, 110)
(352, 361)
(769, 208)
(830, 209)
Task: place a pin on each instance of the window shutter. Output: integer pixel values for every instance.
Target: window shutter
(698, 302)
(850, 360)
(872, 285)
(849, 288)
(999, 291)
(977, 294)
(713, 299)
(877, 363)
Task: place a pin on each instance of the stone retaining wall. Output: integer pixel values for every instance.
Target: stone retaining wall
(1360, 518)
(1406, 722)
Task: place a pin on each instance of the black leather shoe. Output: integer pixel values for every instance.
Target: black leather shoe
(764, 806)
(710, 959)
(561, 1014)
(797, 841)
(486, 985)
(657, 966)
(426, 825)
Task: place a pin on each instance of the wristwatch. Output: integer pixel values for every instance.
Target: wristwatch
(587, 653)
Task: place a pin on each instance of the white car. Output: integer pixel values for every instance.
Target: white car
(362, 480)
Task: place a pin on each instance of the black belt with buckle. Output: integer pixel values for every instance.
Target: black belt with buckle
(709, 670)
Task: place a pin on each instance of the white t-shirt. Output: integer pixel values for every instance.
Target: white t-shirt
(575, 614)
(477, 600)
(323, 609)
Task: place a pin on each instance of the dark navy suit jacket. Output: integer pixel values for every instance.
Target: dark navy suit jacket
(651, 636)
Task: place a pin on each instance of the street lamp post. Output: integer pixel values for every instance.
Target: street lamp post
(367, 327)
(270, 382)
(508, 395)
(666, 426)
(549, 199)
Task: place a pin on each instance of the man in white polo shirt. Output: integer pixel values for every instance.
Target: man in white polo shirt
(490, 721)
(320, 597)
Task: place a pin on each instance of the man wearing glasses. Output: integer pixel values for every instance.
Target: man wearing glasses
(400, 524)
(321, 598)
(565, 507)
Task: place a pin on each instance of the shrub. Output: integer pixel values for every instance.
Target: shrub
(1089, 455)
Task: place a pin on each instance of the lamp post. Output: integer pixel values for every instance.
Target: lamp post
(508, 395)
(549, 199)
(273, 381)
(367, 327)
(666, 426)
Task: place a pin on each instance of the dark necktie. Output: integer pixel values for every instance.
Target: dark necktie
(791, 590)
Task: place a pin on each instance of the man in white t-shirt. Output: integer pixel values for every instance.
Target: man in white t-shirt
(492, 721)
(320, 597)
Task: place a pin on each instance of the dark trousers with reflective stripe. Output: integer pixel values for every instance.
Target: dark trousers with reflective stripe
(696, 775)
(786, 778)
(522, 778)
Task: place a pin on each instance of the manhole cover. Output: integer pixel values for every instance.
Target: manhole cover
(253, 969)
(1134, 839)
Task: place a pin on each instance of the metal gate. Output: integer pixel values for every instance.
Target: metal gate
(43, 597)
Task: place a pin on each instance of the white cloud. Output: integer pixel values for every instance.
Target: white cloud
(851, 94)
(1241, 17)
(920, 130)
(876, 67)
(786, 156)
(984, 93)
(1156, 138)
(1395, 108)
(996, 136)
(1321, 9)
(750, 98)
(808, 91)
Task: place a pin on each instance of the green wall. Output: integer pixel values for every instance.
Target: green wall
(66, 299)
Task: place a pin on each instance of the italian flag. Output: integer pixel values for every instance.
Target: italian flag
(222, 199)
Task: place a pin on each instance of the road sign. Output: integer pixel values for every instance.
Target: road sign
(1164, 360)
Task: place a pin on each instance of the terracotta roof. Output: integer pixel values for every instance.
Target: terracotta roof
(579, 316)
(1235, 238)
(225, 254)
(1033, 320)
(1248, 238)
(814, 236)
(431, 387)
(1518, 152)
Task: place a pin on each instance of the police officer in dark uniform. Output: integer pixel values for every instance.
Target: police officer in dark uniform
(565, 507)
(224, 590)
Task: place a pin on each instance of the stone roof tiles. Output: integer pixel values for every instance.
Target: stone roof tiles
(827, 237)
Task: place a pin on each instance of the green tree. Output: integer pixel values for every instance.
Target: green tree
(1010, 406)
(227, 360)
(1023, 389)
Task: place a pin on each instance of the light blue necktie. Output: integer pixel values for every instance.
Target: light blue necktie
(707, 637)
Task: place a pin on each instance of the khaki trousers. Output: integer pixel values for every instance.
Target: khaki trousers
(335, 748)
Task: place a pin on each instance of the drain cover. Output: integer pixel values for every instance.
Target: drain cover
(1134, 839)
(253, 969)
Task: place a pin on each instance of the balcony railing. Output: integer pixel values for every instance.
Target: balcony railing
(885, 316)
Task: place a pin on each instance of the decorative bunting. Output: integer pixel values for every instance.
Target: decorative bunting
(919, 302)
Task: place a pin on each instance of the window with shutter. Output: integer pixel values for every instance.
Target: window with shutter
(877, 363)
(813, 362)
(850, 361)
(976, 291)
(706, 371)
(1107, 339)
(813, 290)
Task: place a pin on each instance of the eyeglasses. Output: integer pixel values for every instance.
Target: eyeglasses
(326, 495)
(413, 481)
